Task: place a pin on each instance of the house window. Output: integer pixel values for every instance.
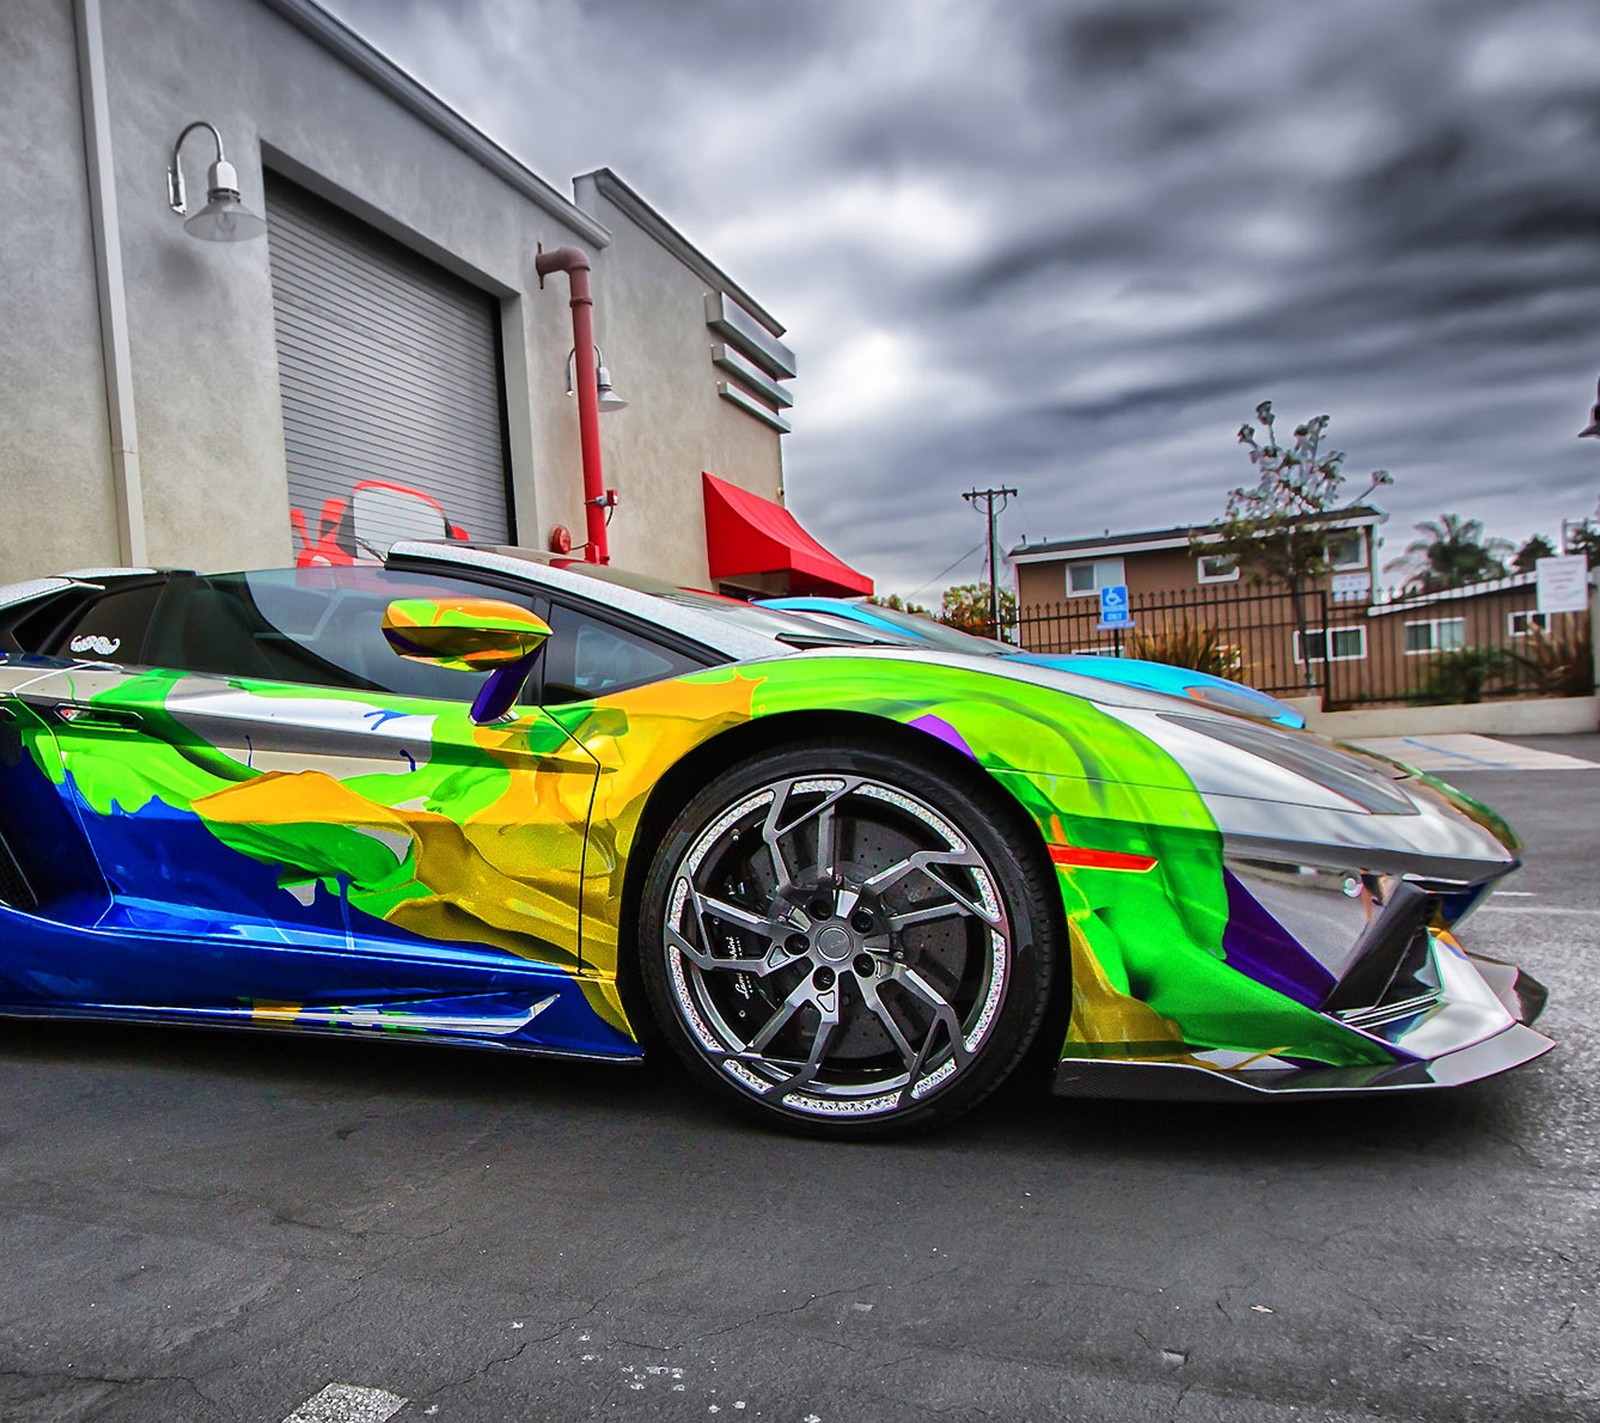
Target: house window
(1435, 635)
(1218, 567)
(1344, 551)
(1091, 576)
(1336, 644)
(1521, 624)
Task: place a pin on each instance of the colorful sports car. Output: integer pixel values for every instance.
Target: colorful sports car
(893, 624)
(467, 796)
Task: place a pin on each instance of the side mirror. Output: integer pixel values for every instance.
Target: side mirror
(470, 635)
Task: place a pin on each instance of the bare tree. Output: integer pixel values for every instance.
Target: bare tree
(1275, 528)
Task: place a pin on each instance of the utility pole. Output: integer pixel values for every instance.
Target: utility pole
(1004, 495)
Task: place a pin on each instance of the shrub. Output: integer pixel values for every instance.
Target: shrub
(1560, 664)
(1465, 675)
(1197, 646)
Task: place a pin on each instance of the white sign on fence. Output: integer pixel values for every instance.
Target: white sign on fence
(1563, 583)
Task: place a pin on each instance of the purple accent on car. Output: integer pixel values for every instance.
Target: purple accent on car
(938, 726)
(1261, 948)
(502, 688)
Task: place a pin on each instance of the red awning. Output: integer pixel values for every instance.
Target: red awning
(747, 534)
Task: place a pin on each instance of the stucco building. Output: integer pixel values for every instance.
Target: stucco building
(381, 351)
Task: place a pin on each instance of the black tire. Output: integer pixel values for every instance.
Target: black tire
(847, 944)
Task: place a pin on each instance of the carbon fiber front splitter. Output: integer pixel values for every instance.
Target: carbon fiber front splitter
(1521, 996)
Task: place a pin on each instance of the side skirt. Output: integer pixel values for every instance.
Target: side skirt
(219, 1022)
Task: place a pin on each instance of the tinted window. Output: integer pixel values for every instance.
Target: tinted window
(110, 629)
(588, 658)
(321, 626)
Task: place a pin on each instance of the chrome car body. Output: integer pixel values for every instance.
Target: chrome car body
(1202, 687)
(848, 880)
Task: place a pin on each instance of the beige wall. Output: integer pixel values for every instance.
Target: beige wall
(55, 464)
(650, 323)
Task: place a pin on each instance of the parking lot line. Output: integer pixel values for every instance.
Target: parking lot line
(1470, 753)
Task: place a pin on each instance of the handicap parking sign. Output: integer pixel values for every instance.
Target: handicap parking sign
(1114, 612)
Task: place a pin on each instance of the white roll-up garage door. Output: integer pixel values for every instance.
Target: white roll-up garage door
(391, 376)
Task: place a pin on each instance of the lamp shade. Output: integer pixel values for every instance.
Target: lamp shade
(608, 398)
(224, 218)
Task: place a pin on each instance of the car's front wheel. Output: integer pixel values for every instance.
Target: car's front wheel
(844, 942)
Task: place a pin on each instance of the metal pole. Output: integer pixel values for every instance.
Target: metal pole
(595, 499)
(127, 487)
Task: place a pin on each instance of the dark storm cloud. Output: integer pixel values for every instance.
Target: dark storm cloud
(1118, 41)
(1069, 246)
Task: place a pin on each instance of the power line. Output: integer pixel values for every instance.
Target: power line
(941, 573)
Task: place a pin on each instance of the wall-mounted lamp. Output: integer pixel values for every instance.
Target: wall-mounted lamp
(609, 399)
(224, 218)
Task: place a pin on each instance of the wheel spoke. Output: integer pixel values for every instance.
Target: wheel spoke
(771, 836)
(773, 931)
(897, 922)
(880, 1010)
(739, 917)
(826, 831)
(922, 861)
(827, 1005)
(704, 959)
(774, 828)
(801, 994)
(944, 1015)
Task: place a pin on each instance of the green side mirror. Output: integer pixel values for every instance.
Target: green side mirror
(465, 634)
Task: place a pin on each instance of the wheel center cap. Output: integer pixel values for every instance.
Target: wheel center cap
(835, 944)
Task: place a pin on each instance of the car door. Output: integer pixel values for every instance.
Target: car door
(295, 824)
(46, 865)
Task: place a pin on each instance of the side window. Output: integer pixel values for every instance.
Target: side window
(318, 626)
(587, 658)
(113, 628)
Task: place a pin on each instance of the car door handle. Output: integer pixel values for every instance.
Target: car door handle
(81, 714)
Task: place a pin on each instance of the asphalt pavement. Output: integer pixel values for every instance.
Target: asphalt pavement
(200, 1226)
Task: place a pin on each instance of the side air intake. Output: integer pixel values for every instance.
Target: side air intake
(1388, 955)
(14, 887)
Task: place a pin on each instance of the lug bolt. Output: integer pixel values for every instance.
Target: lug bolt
(861, 922)
(821, 907)
(823, 978)
(797, 943)
(863, 965)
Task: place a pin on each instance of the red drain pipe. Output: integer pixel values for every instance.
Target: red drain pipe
(595, 499)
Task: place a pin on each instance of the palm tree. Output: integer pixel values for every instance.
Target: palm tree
(1451, 553)
(1537, 547)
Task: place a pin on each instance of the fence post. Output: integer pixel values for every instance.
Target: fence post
(1594, 626)
(1324, 622)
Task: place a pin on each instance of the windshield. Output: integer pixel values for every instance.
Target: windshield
(769, 622)
(917, 629)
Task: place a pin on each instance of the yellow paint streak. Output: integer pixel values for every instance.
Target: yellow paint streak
(276, 1015)
(1103, 1014)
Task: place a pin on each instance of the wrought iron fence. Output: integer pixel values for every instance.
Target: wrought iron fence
(1465, 645)
(1250, 636)
(1484, 642)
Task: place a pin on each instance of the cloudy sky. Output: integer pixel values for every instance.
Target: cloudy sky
(1068, 245)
